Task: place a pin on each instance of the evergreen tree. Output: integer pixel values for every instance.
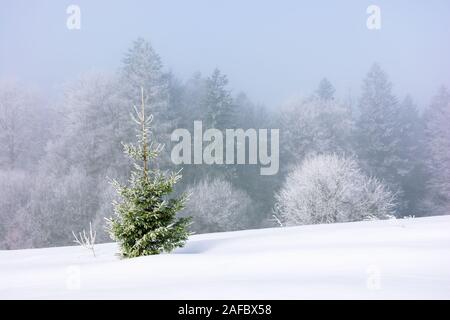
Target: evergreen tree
(218, 102)
(217, 111)
(377, 132)
(411, 174)
(437, 132)
(313, 126)
(388, 139)
(145, 220)
(142, 67)
(325, 90)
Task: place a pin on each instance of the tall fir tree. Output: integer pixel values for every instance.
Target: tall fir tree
(437, 119)
(142, 67)
(313, 126)
(326, 90)
(218, 102)
(219, 112)
(145, 221)
(377, 137)
(388, 139)
(411, 174)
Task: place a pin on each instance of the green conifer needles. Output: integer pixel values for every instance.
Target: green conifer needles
(145, 221)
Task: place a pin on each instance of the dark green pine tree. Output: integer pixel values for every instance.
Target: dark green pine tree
(145, 221)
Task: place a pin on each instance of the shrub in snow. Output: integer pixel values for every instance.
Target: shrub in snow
(216, 205)
(144, 221)
(86, 240)
(329, 188)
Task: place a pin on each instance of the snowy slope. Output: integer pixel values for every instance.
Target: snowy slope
(382, 259)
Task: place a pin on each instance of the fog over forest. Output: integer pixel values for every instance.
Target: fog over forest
(270, 50)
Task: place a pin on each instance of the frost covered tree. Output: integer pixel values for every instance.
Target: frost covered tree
(411, 151)
(329, 189)
(325, 90)
(144, 222)
(438, 151)
(216, 205)
(93, 121)
(25, 120)
(377, 132)
(24, 124)
(218, 102)
(314, 126)
(60, 204)
(15, 222)
(142, 68)
(387, 136)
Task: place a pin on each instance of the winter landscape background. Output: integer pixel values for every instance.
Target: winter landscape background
(364, 112)
(359, 92)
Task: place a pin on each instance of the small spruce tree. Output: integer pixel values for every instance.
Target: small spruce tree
(145, 221)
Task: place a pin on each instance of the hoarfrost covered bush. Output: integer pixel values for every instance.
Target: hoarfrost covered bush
(86, 240)
(216, 205)
(329, 188)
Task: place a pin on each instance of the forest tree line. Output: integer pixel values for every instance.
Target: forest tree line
(56, 156)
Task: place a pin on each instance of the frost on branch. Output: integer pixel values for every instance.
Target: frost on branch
(86, 240)
(145, 221)
(216, 205)
(329, 189)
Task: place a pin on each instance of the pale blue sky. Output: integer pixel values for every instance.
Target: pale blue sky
(269, 49)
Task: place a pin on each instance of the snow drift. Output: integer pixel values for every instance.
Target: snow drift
(390, 259)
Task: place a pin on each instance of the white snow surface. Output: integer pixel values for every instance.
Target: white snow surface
(390, 259)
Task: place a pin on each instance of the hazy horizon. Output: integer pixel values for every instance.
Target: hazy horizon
(271, 51)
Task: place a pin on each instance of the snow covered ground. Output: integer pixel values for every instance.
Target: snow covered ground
(364, 260)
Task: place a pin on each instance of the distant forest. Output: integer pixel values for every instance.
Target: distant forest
(56, 155)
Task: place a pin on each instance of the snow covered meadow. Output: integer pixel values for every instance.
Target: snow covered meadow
(389, 259)
(306, 147)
